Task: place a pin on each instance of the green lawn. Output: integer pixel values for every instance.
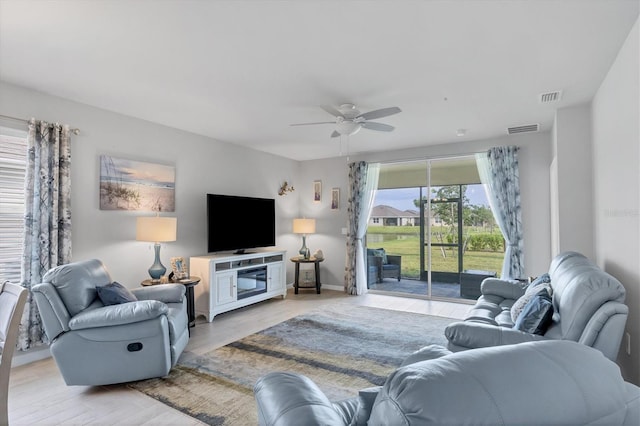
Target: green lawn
(408, 246)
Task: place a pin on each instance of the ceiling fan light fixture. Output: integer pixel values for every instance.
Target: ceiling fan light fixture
(348, 128)
(349, 120)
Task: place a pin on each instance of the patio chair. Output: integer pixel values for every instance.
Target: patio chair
(381, 265)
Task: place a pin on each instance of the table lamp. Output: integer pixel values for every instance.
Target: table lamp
(157, 230)
(304, 227)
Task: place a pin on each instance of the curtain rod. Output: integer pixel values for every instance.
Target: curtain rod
(74, 131)
(435, 157)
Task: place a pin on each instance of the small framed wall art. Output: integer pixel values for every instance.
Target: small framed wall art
(335, 199)
(317, 191)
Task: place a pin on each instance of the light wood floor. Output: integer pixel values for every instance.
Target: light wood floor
(38, 395)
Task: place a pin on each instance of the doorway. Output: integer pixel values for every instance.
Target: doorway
(434, 214)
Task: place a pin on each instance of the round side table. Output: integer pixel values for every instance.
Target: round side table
(316, 266)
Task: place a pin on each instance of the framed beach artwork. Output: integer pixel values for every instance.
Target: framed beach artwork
(335, 199)
(136, 185)
(317, 191)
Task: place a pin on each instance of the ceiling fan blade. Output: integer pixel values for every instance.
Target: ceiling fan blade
(377, 126)
(379, 113)
(331, 110)
(309, 124)
(335, 134)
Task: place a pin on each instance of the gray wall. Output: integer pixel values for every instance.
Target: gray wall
(333, 173)
(574, 167)
(202, 165)
(616, 166)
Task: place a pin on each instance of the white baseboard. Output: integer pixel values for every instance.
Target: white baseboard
(32, 355)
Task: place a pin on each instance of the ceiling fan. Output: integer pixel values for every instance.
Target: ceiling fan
(349, 120)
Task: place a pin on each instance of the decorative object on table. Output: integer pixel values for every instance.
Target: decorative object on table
(304, 227)
(285, 188)
(317, 191)
(157, 230)
(335, 199)
(136, 185)
(308, 278)
(179, 268)
(318, 254)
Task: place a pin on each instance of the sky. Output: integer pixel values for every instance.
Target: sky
(136, 171)
(402, 199)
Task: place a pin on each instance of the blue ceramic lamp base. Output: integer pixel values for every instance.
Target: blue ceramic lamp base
(304, 251)
(157, 270)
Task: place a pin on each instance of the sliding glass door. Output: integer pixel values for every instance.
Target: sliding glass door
(433, 215)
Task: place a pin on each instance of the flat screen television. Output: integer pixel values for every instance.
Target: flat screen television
(240, 223)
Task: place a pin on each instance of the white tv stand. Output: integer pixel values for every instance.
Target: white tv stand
(231, 281)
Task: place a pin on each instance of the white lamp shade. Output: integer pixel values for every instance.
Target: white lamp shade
(304, 226)
(156, 229)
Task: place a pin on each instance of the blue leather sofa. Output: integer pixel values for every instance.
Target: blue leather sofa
(536, 383)
(94, 344)
(588, 307)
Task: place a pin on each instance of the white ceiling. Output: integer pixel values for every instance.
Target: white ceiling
(243, 71)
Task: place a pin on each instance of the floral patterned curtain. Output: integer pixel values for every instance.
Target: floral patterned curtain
(47, 216)
(498, 169)
(363, 182)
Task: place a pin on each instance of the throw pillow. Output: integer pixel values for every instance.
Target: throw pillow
(537, 315)
(544, 278)
(114, 294)
(381, 253)
(542, 282)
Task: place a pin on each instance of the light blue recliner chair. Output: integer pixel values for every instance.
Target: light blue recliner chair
(94, 344)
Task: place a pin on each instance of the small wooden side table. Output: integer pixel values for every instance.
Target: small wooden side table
(316, 265)
(189, 283)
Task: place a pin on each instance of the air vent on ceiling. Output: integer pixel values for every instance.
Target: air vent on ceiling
(548, 97)
(523, 129)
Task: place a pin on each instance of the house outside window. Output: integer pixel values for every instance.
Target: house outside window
(13, 163)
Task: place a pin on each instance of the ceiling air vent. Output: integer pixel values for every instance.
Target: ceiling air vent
(523, 129)
(548, 97)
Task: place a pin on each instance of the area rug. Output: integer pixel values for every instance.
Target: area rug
(342, 349)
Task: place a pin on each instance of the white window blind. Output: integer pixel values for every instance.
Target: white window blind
(13, 163)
